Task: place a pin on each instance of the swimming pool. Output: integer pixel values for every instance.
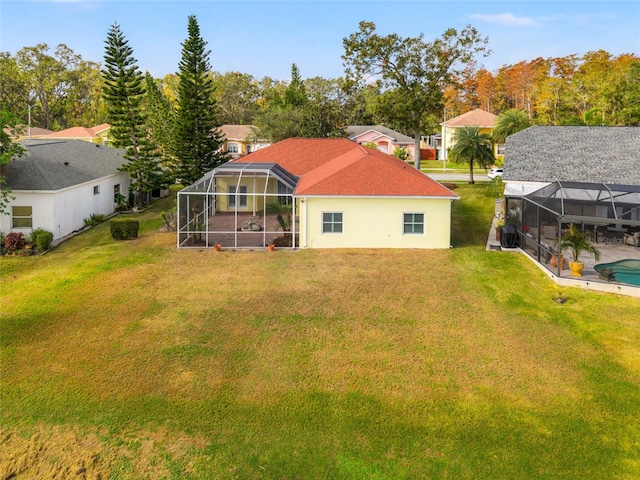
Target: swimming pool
(625, 271)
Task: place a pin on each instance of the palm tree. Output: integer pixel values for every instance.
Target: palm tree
(577, 241)
(473, 147)
(508, 123)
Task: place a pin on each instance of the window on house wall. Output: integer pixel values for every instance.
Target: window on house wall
(233, 148)
(331, 222)
(96, 189)
(238, 196)
(413, 223)
(22, 217)
(500, 149)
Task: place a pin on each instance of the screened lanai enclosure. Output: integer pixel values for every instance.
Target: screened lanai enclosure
(608, 214)
(239, 205)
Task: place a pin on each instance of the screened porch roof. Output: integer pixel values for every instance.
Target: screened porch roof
(620, 201)
(241, 169)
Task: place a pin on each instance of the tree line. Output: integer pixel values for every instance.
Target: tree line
(597, 88)
(169, 126)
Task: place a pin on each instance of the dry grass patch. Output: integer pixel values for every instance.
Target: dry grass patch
(64, 452)
(338, 364)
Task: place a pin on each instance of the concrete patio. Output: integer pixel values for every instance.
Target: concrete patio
(233, 232)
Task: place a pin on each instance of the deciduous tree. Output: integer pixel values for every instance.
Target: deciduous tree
(50, 80)
(415, 69)
(14, 89)
(236, 96)
(9, 151)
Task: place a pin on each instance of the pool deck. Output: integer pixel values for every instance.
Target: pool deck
(590, 279)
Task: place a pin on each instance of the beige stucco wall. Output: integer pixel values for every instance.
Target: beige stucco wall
(253, 184)
(375, 222)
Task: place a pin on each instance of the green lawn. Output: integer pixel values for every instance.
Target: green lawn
(134, 360)
(435, 166)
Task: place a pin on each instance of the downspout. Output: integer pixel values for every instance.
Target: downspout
(293, 225)
(559, 246)
(306, 221)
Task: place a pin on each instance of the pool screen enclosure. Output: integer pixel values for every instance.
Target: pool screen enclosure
(239, 205)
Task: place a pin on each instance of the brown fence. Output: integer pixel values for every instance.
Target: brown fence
(427, 154)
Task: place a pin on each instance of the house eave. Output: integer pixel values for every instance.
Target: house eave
(404, 197)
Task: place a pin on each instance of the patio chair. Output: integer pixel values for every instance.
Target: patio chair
(632, 239)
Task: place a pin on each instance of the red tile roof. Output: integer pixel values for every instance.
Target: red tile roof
(74, 132)
(100, 128)
(339, 167)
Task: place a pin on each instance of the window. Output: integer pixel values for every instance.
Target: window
(233, 148)
(242, 199)
(331, 222)
(96, 190)
(414, 223)
(22, 217)
(500, 149)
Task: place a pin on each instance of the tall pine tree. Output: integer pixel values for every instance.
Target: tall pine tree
(124, 93)
(160, 116)
(197, 137)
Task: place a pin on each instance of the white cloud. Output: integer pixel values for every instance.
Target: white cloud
(508, 19)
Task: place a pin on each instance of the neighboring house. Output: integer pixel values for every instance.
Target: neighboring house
(540, 155)
(561, 175)
(386, 140)
(341, 195)
(59, 183)
(28, 132)
(77, 133)
(475, 118)
(102, 131)
(240, 140)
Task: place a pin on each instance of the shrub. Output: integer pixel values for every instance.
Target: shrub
(121, 202)
(14, 241)
(94, 219)
(34, 234)
(43, 240)
(169, 219)
(496, 188)
(403, 154)
(124, 228)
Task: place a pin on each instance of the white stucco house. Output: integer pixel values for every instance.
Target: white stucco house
(59, 183)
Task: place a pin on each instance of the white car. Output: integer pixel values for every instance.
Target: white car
(495, 172)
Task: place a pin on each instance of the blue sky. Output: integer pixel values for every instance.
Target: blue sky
(263, 38)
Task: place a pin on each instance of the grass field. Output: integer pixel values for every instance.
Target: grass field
(135, 360)
(435, 166)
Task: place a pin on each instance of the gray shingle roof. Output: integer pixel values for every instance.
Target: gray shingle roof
(355, 130)
(574, 154)
(58, 164)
